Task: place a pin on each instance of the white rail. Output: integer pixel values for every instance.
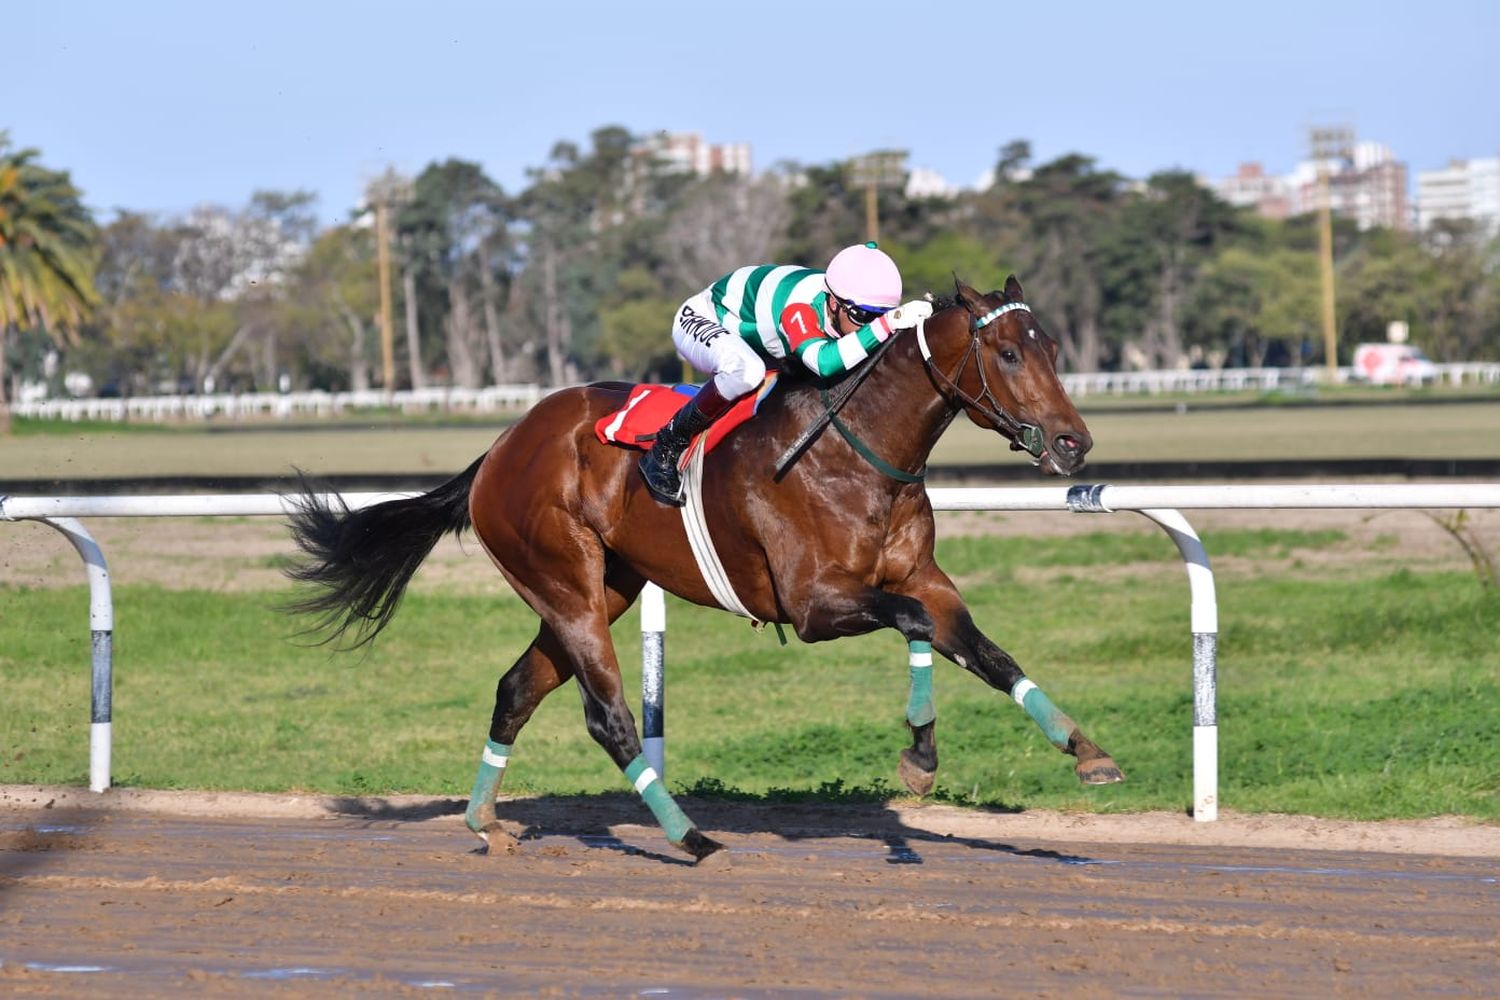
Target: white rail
(1159, 503)
(281, 405)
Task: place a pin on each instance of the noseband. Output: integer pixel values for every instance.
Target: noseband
(1023, 436)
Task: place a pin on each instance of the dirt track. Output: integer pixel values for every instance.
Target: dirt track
(190, 894)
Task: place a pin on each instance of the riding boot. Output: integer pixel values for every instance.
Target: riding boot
(659, 466)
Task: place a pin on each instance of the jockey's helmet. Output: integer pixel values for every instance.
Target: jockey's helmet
(865, 276)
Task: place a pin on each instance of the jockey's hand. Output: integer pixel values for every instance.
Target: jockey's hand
(909, 314)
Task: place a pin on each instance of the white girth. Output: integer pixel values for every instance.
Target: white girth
(698, 538)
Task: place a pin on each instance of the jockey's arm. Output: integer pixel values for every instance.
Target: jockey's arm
(825, 355)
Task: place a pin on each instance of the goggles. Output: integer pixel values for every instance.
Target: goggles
(863, 315)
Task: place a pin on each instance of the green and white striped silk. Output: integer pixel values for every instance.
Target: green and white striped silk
(750, 301)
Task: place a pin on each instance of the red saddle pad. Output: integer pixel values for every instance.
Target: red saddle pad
(648, 408)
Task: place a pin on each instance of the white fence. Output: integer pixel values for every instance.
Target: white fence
(1152, 383)
(1162, 504)
(282, 405)
(501, 397)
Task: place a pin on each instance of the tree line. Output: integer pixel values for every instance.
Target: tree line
(575, 276)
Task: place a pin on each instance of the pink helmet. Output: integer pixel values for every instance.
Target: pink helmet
(866, 276)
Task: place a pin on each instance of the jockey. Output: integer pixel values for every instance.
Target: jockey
(830, 320)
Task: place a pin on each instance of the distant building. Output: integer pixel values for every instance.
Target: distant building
(1252, 187)
(1368, 186)
(923, 182)
(1465, 190)
(687, 152)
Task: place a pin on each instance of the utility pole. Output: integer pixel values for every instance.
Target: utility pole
(383, 259)
(1328, 142)
(883, 168)
(384, 193)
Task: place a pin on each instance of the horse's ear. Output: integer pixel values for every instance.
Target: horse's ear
(967, 295)
(1013, 290)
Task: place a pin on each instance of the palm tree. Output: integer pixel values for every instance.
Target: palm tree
(48, 244)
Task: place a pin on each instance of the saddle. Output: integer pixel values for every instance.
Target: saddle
(649, 407)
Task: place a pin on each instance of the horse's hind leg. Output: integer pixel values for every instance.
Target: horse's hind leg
(612, 726)
(536, 673)
(561, 575)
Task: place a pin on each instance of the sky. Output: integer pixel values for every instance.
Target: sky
(158, 107)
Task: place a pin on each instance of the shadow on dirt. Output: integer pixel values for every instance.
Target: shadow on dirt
(592, 819)
(32, 843)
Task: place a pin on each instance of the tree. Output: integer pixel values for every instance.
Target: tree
(932, 266)
(723, 222)
(1246, 302)
(635, 327)
(48, 246)
(334, 303)
(455, 239)
(1068, 206)
(827, 214)
(586, 219)
(1151, 260)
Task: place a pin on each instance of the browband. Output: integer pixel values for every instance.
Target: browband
(981, 322)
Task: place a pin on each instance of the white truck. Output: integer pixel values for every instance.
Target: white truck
(1393, 364)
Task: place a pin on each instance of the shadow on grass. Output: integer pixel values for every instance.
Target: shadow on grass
(831, 811)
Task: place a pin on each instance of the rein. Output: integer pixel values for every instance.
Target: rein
(1023, 437)
(831, 406)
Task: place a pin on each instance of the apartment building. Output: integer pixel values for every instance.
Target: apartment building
(1465, 190)
(686, 151)
(1368, 185)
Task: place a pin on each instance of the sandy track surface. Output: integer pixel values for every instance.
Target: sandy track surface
(175, 894)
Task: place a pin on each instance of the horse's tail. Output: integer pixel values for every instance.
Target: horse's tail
(360, 561)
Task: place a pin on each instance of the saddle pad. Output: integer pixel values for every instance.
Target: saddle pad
(648, 408)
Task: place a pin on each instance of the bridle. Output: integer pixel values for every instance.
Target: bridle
(1023, 436)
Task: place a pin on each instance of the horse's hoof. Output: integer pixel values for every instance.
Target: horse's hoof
(916, 778)
(1099, 771)
(718, 861)
(497, 839)
(706, 852)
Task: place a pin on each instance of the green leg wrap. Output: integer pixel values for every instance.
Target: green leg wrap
(651, 788)
(481, 811)
(1057, 726)
(919, 708)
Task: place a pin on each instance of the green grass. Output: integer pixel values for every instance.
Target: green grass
(1372, 696)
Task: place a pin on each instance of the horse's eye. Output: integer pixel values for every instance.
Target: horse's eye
(1009, 356)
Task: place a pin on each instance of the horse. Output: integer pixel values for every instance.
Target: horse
(838, 542)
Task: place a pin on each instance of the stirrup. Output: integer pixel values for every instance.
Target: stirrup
(652, 470)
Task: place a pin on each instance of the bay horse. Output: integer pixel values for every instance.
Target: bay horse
(840, 544)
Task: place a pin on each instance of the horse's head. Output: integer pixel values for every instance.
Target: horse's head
(990, 356)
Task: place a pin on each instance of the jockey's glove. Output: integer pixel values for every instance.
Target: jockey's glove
(909, 314)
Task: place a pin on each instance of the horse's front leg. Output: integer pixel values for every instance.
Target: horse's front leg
(958, 638)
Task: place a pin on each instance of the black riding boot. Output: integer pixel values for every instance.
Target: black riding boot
(659, 467)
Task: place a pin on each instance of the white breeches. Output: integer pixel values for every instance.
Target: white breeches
(708, 347)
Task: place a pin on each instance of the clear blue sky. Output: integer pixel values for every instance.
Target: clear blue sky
(159, 106)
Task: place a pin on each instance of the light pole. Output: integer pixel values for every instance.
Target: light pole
(883, 168)
(1328, 142)
(385, 192)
